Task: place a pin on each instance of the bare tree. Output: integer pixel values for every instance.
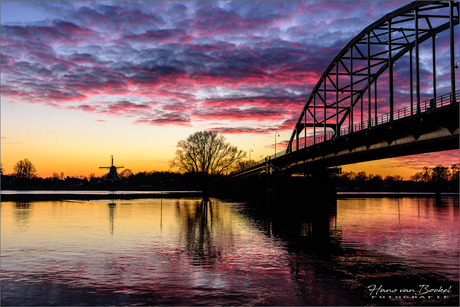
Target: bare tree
(56, 177)
(125, 174)
(454, 172)
(206, 152)
(440, 174)
(244, 164)
(24, 169)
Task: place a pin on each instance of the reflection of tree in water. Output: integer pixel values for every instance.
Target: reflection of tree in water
(22, 212)
(199, 221)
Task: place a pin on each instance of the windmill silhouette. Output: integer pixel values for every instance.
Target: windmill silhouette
(113, 174)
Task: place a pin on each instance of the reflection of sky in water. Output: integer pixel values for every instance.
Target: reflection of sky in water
(175, 248)
(414, 229)
(174, 251)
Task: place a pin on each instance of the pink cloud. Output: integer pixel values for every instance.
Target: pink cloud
(266, 57)
(172, 118)
(237, 114)
(416, 162)
(159, 36)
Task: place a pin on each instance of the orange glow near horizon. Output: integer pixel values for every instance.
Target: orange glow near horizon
(406, 166)
(77, 144)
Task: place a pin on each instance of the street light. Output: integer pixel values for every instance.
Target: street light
(276, 134)
(250, 150)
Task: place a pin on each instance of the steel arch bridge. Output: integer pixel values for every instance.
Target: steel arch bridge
(347, 119)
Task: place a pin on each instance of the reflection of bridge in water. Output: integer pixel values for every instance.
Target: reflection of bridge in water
(358, 111)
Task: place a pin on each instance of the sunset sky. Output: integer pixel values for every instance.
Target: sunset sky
(83, 80)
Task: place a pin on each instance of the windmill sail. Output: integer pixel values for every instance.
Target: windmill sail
(113, 174)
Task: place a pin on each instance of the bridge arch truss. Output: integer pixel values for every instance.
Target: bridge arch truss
(348, 97)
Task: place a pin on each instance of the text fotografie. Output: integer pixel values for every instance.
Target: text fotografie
(422, 291)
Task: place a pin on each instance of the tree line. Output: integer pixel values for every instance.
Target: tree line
(205, 155)
(199, 158)
(438, 173)
(435, 178)
(145, 180)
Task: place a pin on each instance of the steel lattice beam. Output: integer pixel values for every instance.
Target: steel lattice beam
(366, 57)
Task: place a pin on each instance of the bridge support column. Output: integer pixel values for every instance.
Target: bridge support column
(281, 188)
(297, 138)
(337, 128)
(390, 71)
(411, 81)
(452, 53)
(305, 128)
(351, 89)
(433, 46)
(325, 114)
(375, 102)
(314, 119)
(369, 108)
(417, 62)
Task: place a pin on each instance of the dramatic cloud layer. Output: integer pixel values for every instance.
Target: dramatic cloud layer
(248, 65)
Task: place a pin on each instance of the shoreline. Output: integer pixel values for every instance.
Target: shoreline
(392, 194)
(44, 195)
(99, 196)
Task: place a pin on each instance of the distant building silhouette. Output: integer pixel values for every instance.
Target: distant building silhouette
(113, 174)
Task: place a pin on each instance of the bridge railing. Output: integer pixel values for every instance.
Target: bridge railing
(425, 106)
(271, 157)
(257, 164)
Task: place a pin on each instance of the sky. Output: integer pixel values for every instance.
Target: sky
(83, 80)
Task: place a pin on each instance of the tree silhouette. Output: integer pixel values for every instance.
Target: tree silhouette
(126, 173)
(206, 152)
(454, 172)
(24, 169)
(440, 174)
(243, 164)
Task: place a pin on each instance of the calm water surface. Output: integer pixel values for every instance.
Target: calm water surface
(194, 252)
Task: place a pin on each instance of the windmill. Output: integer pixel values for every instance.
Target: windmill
(113, 175)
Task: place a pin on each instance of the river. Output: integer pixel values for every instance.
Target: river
(195, 252)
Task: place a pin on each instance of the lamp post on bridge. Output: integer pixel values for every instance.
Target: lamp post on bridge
(250, 150)
(276, 134)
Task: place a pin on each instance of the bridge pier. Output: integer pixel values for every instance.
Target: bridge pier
(302, 209)
(285, 190)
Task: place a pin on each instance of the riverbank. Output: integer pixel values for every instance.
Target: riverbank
(93, 195)
(392, 194)
(47, 195)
